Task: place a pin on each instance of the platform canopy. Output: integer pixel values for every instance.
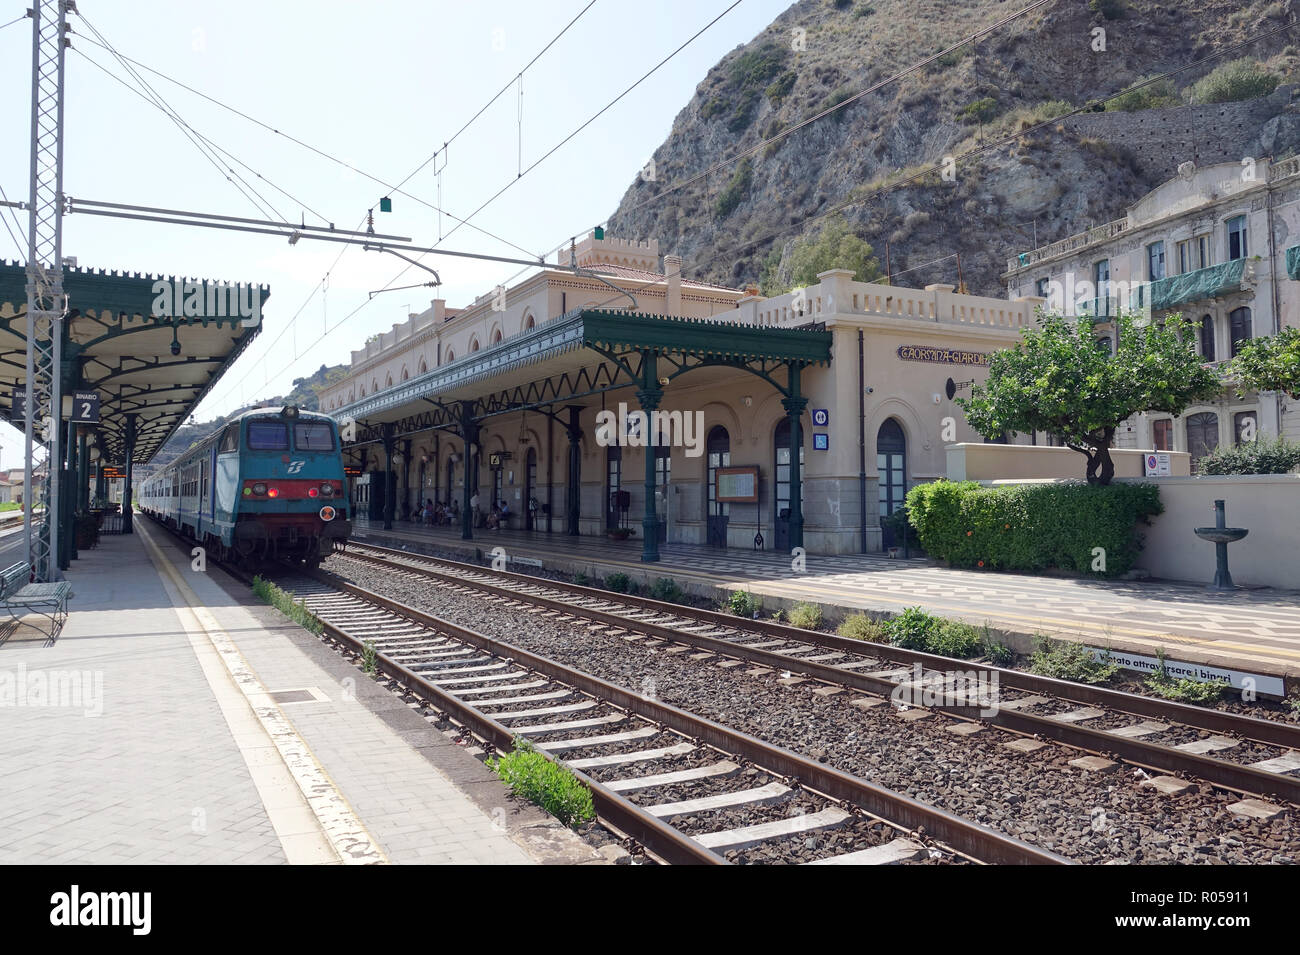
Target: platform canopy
(150, 346)
(580, 354)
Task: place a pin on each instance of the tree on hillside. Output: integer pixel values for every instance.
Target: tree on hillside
(1270, 364)
(1060, 380)
(836, 246)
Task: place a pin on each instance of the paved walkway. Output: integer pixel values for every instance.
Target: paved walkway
(1254, 630)
(148, 733)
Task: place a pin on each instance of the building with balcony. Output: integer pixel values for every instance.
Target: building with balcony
(1214, 244)
(504, 399)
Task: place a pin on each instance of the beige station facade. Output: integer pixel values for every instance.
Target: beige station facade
(880, 414)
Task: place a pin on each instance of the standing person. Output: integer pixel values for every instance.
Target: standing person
(473, 511)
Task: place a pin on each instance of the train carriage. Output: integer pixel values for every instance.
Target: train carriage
(269, 485)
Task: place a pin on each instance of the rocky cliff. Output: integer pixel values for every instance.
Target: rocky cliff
(1043, 185)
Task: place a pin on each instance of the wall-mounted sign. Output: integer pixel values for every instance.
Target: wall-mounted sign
(85, 407)
(938, 355)
(821, 417)
(736, 485)
(821, 442)
(497, 459)
(1156, 464)
(18, 410)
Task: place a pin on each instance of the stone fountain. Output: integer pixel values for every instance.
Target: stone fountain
(1221, 537)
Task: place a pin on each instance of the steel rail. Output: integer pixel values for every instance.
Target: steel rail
(966, 837)
(1226, 774)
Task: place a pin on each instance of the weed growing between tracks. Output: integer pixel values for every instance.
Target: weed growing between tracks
(282, 600)
(1183, 690)
(1070, 661)
(531, 775)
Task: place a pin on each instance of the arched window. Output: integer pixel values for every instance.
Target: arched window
(529, 322)
(1207, 337)
(423, 367)
(891, 463)
(473, 345)
(388, 382)
(451, 356)
(1202, 435)
(374, 386)
(363, 391)
(496, 337)
(405, 373)
(1239, 322)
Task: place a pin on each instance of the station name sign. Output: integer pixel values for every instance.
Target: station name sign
(942, 356)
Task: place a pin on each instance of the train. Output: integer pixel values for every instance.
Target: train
(268, 486)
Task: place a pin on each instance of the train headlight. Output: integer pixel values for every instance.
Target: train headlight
(327, 490)
(273, 492)
(247, 491)
(313, 492)
(259, 488)
(327, 513)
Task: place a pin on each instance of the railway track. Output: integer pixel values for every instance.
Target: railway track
(1235, 752)
(688, 789)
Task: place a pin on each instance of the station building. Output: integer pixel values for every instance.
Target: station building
(1221, 245)
(508, 399)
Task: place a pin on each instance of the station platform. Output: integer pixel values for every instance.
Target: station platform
(1256, 631)
(151, 732)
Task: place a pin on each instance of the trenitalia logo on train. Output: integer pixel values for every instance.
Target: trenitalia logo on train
(268, 486)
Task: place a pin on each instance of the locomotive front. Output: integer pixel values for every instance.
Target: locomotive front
(289, 488)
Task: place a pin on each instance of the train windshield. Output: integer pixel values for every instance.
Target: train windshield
(313, 436)
(267, 436)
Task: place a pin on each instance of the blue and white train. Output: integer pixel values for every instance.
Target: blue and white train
(269, 485)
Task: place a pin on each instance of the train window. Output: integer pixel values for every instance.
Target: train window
(313, 436)
(230, 439)
(267, 436)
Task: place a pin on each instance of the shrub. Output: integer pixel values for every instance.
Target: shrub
(580, 579)
(531, 775)
(999, 654)
(666, 589)
(1032, 527)
(1183, 689)
(619, 583)
(1158, 95)
(1238, 80)
(863, 10)
(841, 95)
(736, 189)
(980, 111)
(956, 639)
(912, 629)
(780, 87)
(1064, 660)
(807, 616)
(744, 604)
(859, 626)
(1257, 457)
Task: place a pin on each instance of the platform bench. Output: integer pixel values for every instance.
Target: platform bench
(20, 597)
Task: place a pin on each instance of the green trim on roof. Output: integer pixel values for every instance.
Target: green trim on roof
(702, 338)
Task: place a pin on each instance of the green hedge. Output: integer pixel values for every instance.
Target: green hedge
(1256, 457)
(1031, 527)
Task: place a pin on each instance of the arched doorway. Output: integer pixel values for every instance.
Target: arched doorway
(781, 483)
(718, 449)
(1202, 435)
(891, 464)
(530, 490)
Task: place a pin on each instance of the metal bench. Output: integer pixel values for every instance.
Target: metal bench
(20, 597)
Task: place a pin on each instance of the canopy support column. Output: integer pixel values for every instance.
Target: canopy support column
(649, 395)
(127, 527)
(573, 503)
(468, 431)
(794, 404)
(390, 477)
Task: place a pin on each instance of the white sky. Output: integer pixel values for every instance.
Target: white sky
(380, 85)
